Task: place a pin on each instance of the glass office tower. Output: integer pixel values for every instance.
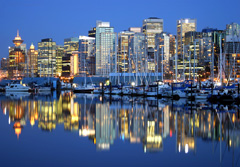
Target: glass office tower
(151, 27)
(123, 51)
(86, 55)
(47, 58)
(105, 49)
(183, 26)
(32, 62)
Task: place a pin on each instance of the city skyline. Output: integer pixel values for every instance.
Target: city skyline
(67, 19)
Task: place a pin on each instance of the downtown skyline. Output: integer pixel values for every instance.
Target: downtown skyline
(39, 20)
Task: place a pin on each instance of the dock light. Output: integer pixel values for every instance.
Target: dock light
(101, 84)
(133, 83)
(218, 83)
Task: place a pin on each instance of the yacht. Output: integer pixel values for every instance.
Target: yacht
(83, 89)
(17, 88)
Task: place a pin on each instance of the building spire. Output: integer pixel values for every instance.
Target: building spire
(17, 33)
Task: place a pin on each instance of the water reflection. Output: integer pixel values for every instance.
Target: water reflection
(135, 120)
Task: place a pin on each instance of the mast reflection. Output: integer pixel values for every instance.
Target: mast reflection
(149, 122)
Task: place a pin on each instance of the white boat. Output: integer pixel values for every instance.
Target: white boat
(17, 88)
(83, 89)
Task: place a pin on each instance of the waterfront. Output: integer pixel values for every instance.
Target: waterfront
(69, 129)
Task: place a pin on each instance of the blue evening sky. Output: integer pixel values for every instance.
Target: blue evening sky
(59, 19)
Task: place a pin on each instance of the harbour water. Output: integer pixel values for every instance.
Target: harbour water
(67, 129)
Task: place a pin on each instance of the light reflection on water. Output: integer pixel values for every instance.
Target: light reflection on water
(150, 123)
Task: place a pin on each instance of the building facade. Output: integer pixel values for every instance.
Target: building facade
(47, 58)
(123, 51)
(87, 54)
(105, 49)
(32, 62)
(184, 26)
(150, 28)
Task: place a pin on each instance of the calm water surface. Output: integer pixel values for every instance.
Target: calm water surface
(86, 130)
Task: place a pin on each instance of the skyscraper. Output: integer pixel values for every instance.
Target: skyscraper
(87, 55)
(137, 57)
(47, 58)
(163, 49)
(123, 51)
(183, 26)
(71, 46)
(17, 58)
(92, 32)
(32, 61)
(59, 56)
(232, 50)
(151, 27)
(105, 49)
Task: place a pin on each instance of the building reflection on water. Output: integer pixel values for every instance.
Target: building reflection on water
(149, 122)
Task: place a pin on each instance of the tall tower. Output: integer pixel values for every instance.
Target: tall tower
(17, 40)
(105, 49)
(87, 52)
(184, 26)
(32, 61)
(16, 58)
(47, 58)
(151, 27)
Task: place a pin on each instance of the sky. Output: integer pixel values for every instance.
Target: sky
(60, 19)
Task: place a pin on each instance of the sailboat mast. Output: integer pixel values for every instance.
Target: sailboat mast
(162, 63)
(212, 65)
(124, 65)
(176, 67)
(136, 67)
(221, 60)
(190, 55)
(234, 54)
(194, 64)
(183, 63)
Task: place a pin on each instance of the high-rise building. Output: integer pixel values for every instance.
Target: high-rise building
(4, 63)
(92, 32)
(66, 62)
(190, 37)
(32, 62)
(233, 32)
(151, 27)
(71, 46)
(163, 49)
(184, 26)
(74, 64)
(17, 58)
(105, 49)
(47, 58)
(137, 54)
(87, 55)
(123, 51)
(232, 51)
(59, 56)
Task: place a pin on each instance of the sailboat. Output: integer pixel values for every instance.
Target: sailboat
(85, 88)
